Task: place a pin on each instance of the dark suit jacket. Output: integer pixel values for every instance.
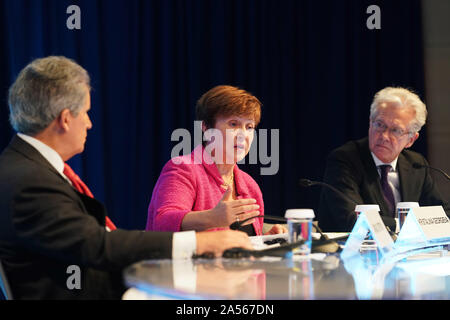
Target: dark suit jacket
(46, 226)
(351, 169)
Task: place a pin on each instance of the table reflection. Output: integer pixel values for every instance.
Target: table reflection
(364, 276)
(420, 276)
(255, 279)
(229, 279)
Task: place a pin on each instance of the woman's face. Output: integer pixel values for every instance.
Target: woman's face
(231, 138)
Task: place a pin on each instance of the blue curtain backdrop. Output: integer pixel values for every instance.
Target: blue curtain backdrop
(314, 65)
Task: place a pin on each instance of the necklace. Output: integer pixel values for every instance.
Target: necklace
(229, 180)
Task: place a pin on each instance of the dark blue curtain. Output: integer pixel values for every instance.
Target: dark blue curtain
(314, 65)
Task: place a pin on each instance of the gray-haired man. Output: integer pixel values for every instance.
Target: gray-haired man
(379, 169)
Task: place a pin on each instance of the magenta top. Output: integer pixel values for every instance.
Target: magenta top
(188, 183)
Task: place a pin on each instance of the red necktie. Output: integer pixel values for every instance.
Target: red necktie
(81, 187)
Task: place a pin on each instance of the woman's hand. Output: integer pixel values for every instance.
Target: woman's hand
(228, 210)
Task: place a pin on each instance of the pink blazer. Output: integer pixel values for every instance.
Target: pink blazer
(189, 183)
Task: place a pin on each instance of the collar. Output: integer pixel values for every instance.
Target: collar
(378, 162)
(48, 153)
(200, 155)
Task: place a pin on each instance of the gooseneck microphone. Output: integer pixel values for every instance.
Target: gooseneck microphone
(308, 183)
(238, 224)
(417, 165)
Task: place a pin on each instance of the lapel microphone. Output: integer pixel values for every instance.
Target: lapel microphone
(417, 165)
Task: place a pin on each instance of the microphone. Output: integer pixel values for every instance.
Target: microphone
(417, 165)
(324, 244)
(308, 183)
(238, 224)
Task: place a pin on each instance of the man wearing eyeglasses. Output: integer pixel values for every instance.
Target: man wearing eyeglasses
(379, 169)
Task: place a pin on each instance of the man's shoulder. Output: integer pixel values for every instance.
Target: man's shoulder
(12, 162)
(18, 170)
(21, 172)
(19, 155)
(412, 156)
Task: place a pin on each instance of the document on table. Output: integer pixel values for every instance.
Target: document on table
(330, 235)
(258, 242)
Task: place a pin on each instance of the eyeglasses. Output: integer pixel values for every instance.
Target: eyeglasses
(380, 127)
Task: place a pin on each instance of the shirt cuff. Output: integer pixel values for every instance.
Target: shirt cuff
(184, 245)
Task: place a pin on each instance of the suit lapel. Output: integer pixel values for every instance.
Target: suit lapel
(407, 189)
(91, 206)
(94, 207)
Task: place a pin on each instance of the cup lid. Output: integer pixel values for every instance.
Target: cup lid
(407, 205)
(299, 214)
(365, 207)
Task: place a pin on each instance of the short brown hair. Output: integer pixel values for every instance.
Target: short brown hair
(226, 101)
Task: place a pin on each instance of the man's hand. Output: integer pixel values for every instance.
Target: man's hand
(276, 229)
(219, 241)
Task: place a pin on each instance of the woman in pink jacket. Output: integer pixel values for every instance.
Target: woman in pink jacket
(206, 190)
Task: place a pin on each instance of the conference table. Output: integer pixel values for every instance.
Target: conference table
(315, 276)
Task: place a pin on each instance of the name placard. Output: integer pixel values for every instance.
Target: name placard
(425, 225)
(378, 230)
(369, 223)
(433, 221)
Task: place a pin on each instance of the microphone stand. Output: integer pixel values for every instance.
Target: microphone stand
(309, 183)
(238, 224)
(420, 166)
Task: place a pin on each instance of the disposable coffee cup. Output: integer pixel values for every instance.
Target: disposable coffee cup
(365, 207)
(299, 223)
(402, 211)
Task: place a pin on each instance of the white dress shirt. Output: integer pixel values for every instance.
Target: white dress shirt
(184, 243)
(48, 153)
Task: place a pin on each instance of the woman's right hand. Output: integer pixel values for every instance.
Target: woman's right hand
(228, 211)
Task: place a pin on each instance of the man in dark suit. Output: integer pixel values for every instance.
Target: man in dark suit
(49, 231)
(378, 169)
